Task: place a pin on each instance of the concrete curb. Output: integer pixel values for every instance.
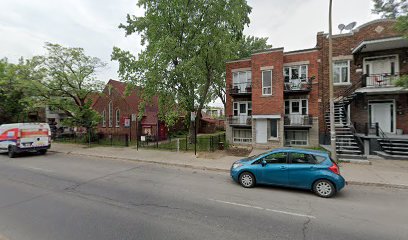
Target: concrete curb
(357, 183)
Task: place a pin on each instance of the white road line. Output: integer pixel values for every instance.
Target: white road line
(39, 169)
(261, 208)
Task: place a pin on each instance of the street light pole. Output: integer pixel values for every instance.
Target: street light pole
(332, 125)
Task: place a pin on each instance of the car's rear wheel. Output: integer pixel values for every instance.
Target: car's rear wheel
(324, 188)
(11, 152)
(247, 180)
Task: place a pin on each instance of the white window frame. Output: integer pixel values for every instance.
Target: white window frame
(104, 118)
(117, 118)
(235, 107)
(300, 100)
(299, 67)
(110, 114)
(241, 140)
(237, 80)
(341, 72)
(263, 88)
(307, 138)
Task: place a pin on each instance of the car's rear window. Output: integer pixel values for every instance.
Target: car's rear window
(319, 159)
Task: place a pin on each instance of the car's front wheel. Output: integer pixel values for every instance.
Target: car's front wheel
(324, 188)
(11, 152)
(247, 180)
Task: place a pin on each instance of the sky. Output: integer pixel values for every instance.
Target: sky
(25, 25)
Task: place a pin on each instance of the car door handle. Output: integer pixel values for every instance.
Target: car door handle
(283, 167)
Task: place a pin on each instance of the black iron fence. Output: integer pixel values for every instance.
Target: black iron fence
(204, 143)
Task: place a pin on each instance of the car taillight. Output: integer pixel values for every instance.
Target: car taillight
(334, 168)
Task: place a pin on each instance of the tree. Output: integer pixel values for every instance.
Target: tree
(68, 83)
(15, 93)
(186, 45)
(390, 8)
(243, 49)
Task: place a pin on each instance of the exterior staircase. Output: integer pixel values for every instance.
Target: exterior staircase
(348, 146)
(394, 148)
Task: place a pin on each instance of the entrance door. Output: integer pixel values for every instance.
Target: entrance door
(383, 113)
(261, 130)
(243, 114)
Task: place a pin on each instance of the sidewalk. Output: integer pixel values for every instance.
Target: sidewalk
(388, 173)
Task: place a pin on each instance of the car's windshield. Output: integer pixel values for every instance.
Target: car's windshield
(254, 156)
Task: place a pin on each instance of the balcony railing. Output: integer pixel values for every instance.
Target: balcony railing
(296, 120)
(380, 80)
(298, 85)
(240, 120)
(242, 88)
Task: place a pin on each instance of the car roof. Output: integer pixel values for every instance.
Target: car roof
(301, 150)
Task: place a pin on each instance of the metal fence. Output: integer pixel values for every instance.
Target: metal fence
(204, 143)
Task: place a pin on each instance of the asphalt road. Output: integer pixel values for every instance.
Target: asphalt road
(70, 197)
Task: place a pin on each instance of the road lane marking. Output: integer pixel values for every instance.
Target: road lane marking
(265, 209)
(39, 169)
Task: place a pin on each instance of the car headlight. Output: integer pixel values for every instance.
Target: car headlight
(236, 165)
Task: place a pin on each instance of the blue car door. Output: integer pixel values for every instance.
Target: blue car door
(275, 171)
(302, 169)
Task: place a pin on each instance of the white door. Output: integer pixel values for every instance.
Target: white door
(243, 113)
(383, 114)
(261, 130)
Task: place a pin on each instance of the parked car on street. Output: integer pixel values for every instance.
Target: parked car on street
(25, 137)
(298, 168)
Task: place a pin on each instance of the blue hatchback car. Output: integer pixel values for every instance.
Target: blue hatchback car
(298, 168)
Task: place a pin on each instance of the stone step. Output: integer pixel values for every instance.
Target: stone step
(351, 156)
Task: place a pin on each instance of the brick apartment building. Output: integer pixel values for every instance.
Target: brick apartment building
(114, 105)
(277, 98)
(272, 99)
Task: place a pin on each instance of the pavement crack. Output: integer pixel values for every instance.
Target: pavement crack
(73, 188)
(305, 227)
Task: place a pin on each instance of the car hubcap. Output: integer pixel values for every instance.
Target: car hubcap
(324, 188)
(246, 180)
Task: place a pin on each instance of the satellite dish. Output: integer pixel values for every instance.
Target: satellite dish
(341, 27)
(350, 26)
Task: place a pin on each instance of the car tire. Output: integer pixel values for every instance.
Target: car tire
(11, 152)
(43, 151)
(324, 188)
(247, 180)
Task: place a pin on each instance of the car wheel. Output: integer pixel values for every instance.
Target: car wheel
(11, 152)
(247, 180)
(324, 188)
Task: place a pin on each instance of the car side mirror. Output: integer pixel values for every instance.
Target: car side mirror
(264, 163)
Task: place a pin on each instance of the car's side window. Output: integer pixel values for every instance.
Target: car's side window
(319, 159)
(302, 158)
(279, 157)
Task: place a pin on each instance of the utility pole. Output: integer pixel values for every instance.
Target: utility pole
(331, 94)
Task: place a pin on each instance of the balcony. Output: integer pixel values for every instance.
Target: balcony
(298, 86)
(380, 80)
(298, 121)
(240, 121)
(240, 89)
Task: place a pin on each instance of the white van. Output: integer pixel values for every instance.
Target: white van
(25, 137)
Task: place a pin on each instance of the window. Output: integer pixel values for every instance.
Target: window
(110, 113)
(242, 80)
(242, 108)
(296, 138)
(275, 158)
(117, 117)
(267, 82)
(296, 106)
(242, 135)
(273, 128)
(295, 72)
(341, 72)
(104, 118)
(302, 158)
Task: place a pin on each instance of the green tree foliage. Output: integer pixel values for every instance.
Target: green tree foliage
(15, 95)
(243, 49)
(69, 82)
(186, 44)
(390, 8)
